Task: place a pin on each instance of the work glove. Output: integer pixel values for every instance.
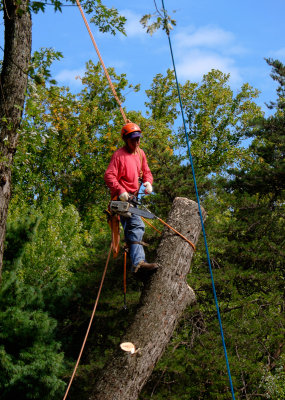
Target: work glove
(148, 188)
(124, 196)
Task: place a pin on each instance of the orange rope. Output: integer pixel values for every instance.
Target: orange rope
(153, 227)
(178, 233)
(103, 65)
(90, 323)
(170, 227)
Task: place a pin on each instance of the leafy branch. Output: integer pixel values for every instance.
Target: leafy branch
(159, 19)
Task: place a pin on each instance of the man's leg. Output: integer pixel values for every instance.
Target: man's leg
(134, 231)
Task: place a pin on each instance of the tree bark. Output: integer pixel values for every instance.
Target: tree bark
(161, 305)
(13, 84)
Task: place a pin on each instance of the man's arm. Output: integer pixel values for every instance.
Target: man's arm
(112, 175)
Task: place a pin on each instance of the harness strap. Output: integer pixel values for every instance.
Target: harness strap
(141, 158)
(133, 242)
(141, 171)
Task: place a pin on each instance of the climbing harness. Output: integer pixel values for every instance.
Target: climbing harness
(199, 207)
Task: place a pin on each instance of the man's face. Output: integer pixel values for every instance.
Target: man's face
(133, 144)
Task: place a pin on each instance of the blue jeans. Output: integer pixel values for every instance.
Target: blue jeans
(134, 231)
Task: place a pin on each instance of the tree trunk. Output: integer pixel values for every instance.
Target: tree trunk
(13, 84)
(161, 305)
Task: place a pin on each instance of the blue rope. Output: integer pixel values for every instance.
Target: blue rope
(200, 213)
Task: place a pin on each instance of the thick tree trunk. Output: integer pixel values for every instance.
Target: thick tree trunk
(161, 306)
(13, 84)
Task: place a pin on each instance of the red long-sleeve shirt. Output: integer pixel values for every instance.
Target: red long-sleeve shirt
(123, 172)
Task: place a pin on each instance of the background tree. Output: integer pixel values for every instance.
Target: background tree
(65, 139)
(267, 177)
(245, 228)
(13, 80)
(218, 121)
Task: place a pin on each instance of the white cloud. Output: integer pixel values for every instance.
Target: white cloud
(196, 63)
(70, 77)
(280, 53)
(205, 48)
(236, 50)
(133, 26)
(206, 36)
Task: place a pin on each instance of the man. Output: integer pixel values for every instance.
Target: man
(128, 169)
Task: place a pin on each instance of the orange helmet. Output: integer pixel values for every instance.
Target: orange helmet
(130, 127)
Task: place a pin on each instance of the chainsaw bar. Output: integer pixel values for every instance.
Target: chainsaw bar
(122, 207)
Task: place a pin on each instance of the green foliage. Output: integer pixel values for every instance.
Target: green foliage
(274, 383)
(39, 70)
(107, 19)
(266, 176)
(58, 238)
(67, 140)
(249, 279)
(218, 122)
(278, 75)
(57, 247)
(163, 99)
(30, 357)
(159, 19)
(19, 232)
(245, 226)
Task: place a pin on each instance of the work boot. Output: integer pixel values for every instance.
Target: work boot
(145, 265)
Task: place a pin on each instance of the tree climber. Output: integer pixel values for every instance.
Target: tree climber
(128, 169)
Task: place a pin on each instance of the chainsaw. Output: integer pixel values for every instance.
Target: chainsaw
(127, 208)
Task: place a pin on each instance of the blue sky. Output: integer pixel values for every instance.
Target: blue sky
(231, 36)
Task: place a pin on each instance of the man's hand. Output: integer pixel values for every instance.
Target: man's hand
(148, 188)
(124, 196)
